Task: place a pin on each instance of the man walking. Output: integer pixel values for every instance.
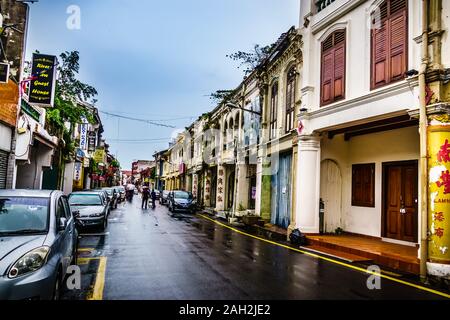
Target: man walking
(145, 196)
(153, 196)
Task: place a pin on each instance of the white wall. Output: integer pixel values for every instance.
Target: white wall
(358, 49)
(395, 145)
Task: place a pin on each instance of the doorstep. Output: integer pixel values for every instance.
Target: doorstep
(394, 256)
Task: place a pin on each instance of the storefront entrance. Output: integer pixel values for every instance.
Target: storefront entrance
(400, 199)
(281, 192)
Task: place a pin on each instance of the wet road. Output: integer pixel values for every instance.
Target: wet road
(152, 255)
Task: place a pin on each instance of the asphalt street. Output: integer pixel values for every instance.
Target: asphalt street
(150, 254)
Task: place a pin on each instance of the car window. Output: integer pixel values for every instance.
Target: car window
(85, 200)
(23, 214)
(60, 212)
(68, 212)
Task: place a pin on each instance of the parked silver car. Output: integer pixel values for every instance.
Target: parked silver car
(90, 208)
(38, 242)
(122, 193)
(113, 197)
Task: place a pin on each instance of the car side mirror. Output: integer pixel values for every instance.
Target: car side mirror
(76, 214)
(62, 224)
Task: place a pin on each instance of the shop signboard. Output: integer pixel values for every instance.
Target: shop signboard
(42, 88)
(439, 190)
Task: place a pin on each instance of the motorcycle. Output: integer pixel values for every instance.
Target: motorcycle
(130, 195)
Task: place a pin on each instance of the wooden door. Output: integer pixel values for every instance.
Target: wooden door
(401, 201)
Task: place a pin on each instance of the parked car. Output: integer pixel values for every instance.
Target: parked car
(113, 197)
(122, 193)
(181, 201)
(163, 198)
(90, 209)
(38, 242)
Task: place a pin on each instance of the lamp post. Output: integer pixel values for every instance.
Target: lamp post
(238, 107)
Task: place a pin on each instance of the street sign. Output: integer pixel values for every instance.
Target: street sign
(84, 136)
(77, 171)
(92, 137)
(42, 89)
(4, 72)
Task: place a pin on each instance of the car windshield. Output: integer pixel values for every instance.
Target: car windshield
(85, 200)
(182, 195)
(23, 215)
(110, 192)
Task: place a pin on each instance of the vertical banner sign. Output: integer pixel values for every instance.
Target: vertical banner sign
(439, 194)
(77, 171)
(91, 141)
(84, 136)
(4, 72)
(42, 90)
(195, 185)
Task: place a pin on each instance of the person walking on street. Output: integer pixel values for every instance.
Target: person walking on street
(145, 196)
(153, 196)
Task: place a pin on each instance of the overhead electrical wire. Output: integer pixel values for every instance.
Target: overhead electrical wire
(152, 122)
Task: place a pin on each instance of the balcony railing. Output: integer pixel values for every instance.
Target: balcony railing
(322, 4)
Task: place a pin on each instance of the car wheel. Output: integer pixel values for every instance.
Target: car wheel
(105, 224)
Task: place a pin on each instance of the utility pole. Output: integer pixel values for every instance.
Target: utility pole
(424, 146)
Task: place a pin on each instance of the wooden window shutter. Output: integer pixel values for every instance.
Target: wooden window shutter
(363, 185)
(379, 56)
(333, 68)
(398, 40)
(389, 43)
(339, 65)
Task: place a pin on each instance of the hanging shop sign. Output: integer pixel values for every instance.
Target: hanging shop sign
(439, 190)
(84, 136)
(99, 156)
(42, 87)
(92, 137)
(77, 171)
(4, 72)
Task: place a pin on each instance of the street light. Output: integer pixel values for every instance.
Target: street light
(235, 106)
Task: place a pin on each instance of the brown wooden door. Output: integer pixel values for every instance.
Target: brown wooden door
(400, 197)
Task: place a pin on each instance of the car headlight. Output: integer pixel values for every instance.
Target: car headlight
(30, 262)
(101, 214)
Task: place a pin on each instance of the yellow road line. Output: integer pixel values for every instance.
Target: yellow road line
(99, 280)
(416, 286)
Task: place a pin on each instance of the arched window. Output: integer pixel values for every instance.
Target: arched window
(333, 68)
(273, 111)
(290, 99)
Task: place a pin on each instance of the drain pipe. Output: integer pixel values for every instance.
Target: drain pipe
(423, 146)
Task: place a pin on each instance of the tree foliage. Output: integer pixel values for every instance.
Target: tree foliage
(251, 60)
(221, 96)
(69, 92)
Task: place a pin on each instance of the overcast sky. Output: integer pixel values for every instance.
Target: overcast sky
(157, 60)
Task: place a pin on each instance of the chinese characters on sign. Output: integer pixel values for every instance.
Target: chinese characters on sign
(439, 184)
(194, 185)
(42, 89)
(220, 194)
